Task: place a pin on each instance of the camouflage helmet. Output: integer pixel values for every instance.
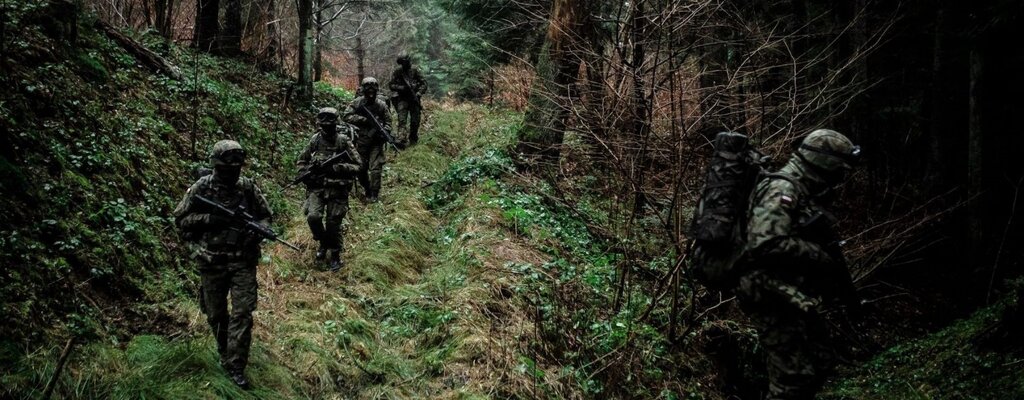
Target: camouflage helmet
(327, 116)
(829, 150)
(404, 58)
(369, 83)
(227, 153)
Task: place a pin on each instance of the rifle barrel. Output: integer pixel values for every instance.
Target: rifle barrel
(387, 135)
(264, 231)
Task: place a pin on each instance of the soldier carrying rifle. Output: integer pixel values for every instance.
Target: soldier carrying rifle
(328, 166)
(407, 88)
(224, 218)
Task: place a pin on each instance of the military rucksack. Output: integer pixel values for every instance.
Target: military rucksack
(719, 225)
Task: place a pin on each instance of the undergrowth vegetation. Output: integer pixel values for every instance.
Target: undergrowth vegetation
(97, 151)
(469, 280)
(967, 360)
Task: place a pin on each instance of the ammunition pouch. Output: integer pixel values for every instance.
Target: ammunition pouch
(225, 240)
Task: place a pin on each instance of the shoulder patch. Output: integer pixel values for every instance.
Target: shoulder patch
(787, 200)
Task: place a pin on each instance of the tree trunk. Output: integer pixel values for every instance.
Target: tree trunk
(318, 56)
(273, 37)
(940, 101)
(162, 12)
(975, 173)
(206, 29)
(142, 53)
(540, 138)
(641, 108)
(318, 64)
(305, 81)
(360, 60)
(231, 38)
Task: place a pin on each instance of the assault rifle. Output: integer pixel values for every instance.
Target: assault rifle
(317, 170)
(415, 96)
(245, 220)
(380, 127)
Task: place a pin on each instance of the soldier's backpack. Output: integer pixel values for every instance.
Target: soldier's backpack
(719, 224)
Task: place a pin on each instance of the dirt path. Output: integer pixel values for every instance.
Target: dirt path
(421, 308)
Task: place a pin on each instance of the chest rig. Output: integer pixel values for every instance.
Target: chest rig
(227, 242)
(323, 150)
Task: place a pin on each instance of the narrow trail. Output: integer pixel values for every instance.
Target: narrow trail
(423, 307)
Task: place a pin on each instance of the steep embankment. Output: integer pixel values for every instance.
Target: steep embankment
(974, 358)
(96, 151)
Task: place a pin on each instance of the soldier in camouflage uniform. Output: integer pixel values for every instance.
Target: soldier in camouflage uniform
(795, 264)
(407, 88)
(369, 142)
(327, 195)
(227, 255)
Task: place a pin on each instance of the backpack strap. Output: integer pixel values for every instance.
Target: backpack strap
(793, 180)
(728, 155)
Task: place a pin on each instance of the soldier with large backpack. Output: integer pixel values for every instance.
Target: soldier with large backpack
(782, 257)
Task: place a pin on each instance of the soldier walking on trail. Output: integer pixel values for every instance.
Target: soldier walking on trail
(795, 264)
(407, 88)
(227, 254)
(370, 140)
(327, 194)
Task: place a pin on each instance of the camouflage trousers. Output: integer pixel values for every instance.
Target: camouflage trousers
(800, 355)
(409, 112)
(325, 210)
(232, 329)
(372, 168)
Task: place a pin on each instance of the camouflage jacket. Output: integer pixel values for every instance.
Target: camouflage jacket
(211, 239)
(368, 134)
(791, 237)
(319, 149)
(398, 81)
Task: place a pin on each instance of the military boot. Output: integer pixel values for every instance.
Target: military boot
(336, 262)
(321, 252)
(372, 197)
(238, 377)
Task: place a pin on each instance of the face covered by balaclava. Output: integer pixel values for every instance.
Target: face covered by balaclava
(227, 165)
(227, 174)
(330, 131)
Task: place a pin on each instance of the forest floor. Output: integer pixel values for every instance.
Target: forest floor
(419, 311)
(423, 309)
